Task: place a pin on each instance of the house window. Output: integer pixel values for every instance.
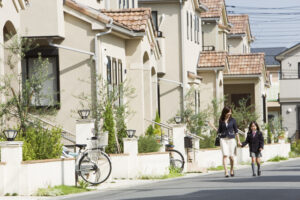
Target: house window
(198, 29)
(154, 18)
(187, 24)
(49, 95)
(197, 101)
(298, 70)
(298, 117)
(195, 28)
(108, 71)
(191, 18)
(115, 77)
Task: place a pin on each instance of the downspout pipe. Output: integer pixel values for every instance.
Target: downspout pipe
(182, 55)
(97, 57)
(217, 88)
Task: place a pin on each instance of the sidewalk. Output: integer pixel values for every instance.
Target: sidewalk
(122, 183)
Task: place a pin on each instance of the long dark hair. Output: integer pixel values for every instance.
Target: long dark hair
(257, 127)
(225, 110)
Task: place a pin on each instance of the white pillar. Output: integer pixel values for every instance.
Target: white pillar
(11, 155)
(84, 131)
(178, 140)
(131, 148)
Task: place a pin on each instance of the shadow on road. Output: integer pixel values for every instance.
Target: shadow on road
(243, 194)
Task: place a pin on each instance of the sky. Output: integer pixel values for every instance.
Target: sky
(273, 23)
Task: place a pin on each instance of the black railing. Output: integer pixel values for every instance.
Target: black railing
(208, 48)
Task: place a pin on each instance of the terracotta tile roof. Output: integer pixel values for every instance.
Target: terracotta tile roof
(212, 59)
(240, 23)
(214, 8)
(87, 11)
(246, 64)
(134, 18)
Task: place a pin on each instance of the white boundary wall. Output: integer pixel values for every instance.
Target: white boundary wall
(213, 157)
(24, 178)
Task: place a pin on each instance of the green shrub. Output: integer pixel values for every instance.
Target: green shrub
(295, 149)
(109, 125)
(277, 159)
(150, 130)
(208, 141)
(41, 143)
(148, 144)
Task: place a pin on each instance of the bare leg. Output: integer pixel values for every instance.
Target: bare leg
(231, 164)
(224, 165)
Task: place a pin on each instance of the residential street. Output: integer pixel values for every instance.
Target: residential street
(278, 181)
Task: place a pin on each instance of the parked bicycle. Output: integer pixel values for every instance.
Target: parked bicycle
(176, 158)
(93, 165)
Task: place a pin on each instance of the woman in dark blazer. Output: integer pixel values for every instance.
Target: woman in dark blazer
(255, 140)
(228, 132)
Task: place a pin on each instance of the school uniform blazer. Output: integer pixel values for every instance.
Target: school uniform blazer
(228, 131)
(255, 142)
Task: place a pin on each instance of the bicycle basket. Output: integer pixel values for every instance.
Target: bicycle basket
(101, 140)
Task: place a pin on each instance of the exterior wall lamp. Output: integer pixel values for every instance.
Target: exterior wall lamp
(84, 113)
(10, 134)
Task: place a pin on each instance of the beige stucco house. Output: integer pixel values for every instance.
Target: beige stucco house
(179, 26)
(215, 26)
(239, 37)
(10, 23)
(112, 39)
(228, 69)
(289, 89)
(247, 78)
(273, 70)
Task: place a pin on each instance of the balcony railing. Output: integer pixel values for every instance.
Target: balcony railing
(208, 48)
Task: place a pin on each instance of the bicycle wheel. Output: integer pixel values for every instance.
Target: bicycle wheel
(176, 159)
(95, 166)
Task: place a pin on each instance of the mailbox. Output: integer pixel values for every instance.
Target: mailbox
(188, 142)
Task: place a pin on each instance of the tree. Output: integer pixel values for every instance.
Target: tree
(244, 114)
(22, 95)
(111, 109)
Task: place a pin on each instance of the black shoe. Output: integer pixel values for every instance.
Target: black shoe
(254, 174)
(227, 176)
(258, 173)
(232, 174)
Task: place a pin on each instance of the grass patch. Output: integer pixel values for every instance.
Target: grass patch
(277, 159)
(293, 154)
(60, 190)
(173, 173)
(218, 168)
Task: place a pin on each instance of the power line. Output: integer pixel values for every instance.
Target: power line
(263, 8)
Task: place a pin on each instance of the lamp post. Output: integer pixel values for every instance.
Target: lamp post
(177, 119)
(84, 113)
(130, 133)
(10, 134)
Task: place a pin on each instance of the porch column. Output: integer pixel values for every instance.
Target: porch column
(135, 76)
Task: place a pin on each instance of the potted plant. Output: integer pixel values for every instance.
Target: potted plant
(281, 137)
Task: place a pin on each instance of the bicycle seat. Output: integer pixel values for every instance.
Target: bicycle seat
(80, 146)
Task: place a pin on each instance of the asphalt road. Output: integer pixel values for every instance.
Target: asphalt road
(278, 181)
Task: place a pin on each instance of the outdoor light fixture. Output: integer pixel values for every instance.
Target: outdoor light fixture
(10, 134)
(177, 119)
(130, 133)
(84, 113)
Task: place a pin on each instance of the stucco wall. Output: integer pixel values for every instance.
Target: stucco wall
(170, 92)
(290, 118)
(210, 34)
(207, 89)
(235, 45)
(50, 24)
(290, 64)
